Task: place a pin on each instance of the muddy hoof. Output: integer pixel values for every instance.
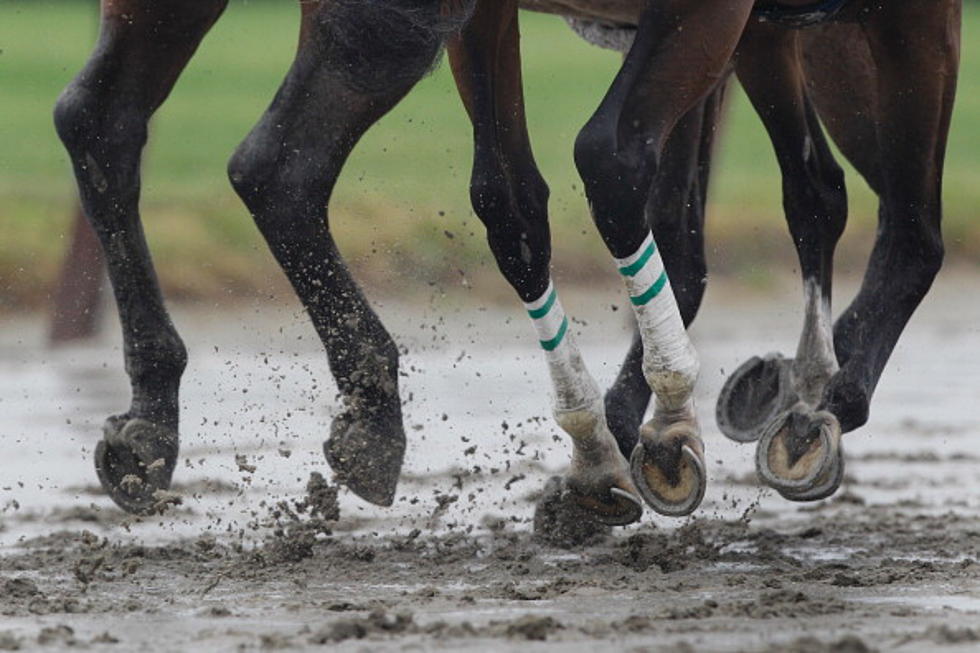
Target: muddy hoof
(135, 461)
(754, 395)
(610, 498)
(668, 469)
(560, 521)
(824, 487)
(367, 455)
(798, 452)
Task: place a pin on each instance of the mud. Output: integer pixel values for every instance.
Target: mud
(265, 552)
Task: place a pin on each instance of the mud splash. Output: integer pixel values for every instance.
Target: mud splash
(251, 560)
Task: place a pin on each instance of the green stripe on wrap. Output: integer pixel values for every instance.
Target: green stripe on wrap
(637, 265)
(651, 292)
(538, 313)
(550, 345)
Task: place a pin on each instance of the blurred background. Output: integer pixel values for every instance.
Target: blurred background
(401, 210)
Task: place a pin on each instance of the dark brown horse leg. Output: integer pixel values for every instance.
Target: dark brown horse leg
(911, 44)
(754, 402)
(102, 118)
(78, 291)
(669, 69)
(355, 62)
(511, 199)
(675, 211)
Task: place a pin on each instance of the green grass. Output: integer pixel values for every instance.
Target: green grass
(407, 181)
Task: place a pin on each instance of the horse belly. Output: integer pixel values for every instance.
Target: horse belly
(622, 12)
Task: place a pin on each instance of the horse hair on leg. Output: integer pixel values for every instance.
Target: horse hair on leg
(101, 118)
(618, 154)
(510, 198)
(774, 400)
(675, 211)
(906, 42)
(356, 61)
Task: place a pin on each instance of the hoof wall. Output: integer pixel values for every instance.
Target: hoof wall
(799, 451)
(367, 457)
(669, 472)
(824, 487)
(135, 462)
(755, 394)
(606, 503)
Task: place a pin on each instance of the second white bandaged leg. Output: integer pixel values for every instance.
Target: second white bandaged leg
(670, 362)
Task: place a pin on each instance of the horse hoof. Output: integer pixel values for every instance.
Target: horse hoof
(367, 456)
(135, 461)
(604, 488)
(668, 468)
(824, 487)
(606, 503)
(798, 452)
(754, 395)
(561, 521)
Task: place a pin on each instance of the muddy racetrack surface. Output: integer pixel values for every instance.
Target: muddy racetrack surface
(263, 553)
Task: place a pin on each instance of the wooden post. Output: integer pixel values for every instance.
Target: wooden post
(78, 294)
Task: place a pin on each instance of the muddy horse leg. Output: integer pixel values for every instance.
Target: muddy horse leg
(772, 399)
(675, 211)
(511, 199)
(355, 62)
(907, 42)
(666, 73)
(101, 117)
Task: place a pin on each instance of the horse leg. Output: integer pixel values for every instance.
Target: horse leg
(772, 398)
(510, 197)
(355, 62)
(666, 73)
(675, 211)
(907, 43)
(102, 119)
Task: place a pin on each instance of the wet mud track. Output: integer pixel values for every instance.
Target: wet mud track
(246, 562)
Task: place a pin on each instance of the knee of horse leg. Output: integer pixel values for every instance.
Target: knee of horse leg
(252, 167)
(272, 184)
(595, 154)
(93, 130)
(616, 173)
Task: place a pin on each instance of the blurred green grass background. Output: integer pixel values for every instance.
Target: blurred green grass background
(406, 184)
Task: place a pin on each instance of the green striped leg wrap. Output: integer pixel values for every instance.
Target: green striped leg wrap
(549, 319)
(669, 358)
(574, 388)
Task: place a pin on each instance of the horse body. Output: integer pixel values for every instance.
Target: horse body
(644, 159)
(615, 12)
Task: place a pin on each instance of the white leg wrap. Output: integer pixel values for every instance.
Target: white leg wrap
(575, 391)
(670, 362)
